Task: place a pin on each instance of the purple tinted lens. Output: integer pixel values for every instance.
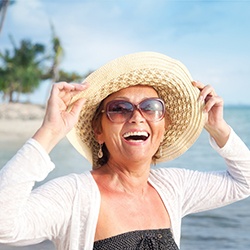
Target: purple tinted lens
(119, 111)
(152, 109)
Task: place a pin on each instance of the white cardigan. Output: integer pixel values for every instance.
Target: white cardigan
(65, 210)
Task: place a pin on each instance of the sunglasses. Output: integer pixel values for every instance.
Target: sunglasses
(119, 111)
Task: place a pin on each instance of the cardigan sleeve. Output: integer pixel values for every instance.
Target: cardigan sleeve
(185, 191)
(30, 216)
(208, 190)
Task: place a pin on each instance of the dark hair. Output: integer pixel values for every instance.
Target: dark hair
(97, 128)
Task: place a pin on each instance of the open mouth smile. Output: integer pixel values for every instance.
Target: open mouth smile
(136, 136)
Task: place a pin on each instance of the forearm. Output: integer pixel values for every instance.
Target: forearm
(17, 179)
(46, 138)
(31, 163)
(237, 157)
(219, 133)
(30, 216)
(209, 190)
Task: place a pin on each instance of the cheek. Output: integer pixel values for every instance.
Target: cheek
(100, 130)
(110, 130)
(162, 129)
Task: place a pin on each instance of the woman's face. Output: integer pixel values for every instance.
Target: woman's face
(120, 138)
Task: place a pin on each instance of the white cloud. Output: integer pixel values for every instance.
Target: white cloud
(29, 17)
(92, 35)
(210, 38)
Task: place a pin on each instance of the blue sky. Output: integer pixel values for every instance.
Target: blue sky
(212, 38)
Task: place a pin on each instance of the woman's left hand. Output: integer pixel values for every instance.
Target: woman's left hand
(214, 106)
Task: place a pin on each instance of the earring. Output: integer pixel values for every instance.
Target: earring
(100, 153)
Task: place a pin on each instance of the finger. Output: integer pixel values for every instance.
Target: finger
(208, 90)
(62, 86)
(80, 87)
(198, 84)
(205, 90)
(77, 107)
(212, 102)
(72, 89)
(58, 89)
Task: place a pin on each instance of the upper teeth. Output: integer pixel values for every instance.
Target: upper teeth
(137, 133)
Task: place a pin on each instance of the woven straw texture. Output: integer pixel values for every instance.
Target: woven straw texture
(167, 76)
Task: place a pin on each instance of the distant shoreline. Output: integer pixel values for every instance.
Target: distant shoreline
(19, 121)
(228, 106)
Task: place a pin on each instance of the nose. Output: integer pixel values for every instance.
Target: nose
(137, 117)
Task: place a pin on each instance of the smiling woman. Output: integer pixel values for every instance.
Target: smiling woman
(133, 112)
(172, 83)
(140, 132)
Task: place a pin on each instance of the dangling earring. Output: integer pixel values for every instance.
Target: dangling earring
(100, 153)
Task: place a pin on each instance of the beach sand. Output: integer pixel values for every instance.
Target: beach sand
(19, 121)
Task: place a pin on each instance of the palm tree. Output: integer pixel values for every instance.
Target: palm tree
(57, 55)
(21, 69)
(3, 10)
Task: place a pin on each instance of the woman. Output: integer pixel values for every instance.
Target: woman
(135, 111)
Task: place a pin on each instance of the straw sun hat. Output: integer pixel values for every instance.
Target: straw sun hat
(167, 76)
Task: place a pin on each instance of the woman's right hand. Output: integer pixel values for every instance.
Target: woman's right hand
(58, 121)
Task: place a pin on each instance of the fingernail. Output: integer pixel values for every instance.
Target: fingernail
(204, 110)
(201, 98)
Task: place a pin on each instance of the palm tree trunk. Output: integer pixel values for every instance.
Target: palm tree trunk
(3, 10)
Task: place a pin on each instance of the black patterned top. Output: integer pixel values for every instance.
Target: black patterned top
(158, 239)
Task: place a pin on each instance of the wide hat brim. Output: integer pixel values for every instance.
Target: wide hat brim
(169, 77)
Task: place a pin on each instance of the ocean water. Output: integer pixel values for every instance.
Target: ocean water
(224, 228)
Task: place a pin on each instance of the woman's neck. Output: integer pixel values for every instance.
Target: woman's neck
(131, 179)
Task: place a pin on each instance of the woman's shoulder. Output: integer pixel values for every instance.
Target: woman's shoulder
(78, 180)
(170, 176)
(164, 172)
(71, 184)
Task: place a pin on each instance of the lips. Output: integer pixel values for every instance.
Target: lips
(136, 136)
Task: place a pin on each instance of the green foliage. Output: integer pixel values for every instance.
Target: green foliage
(21, 69)
(71, 77)
(24, 68)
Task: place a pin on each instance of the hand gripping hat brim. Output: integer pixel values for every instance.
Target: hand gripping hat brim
(169, 77)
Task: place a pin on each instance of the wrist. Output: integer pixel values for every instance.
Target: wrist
(47, 138)
(219, 133)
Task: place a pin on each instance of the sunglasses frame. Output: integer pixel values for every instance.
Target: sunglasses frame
(135, 107)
